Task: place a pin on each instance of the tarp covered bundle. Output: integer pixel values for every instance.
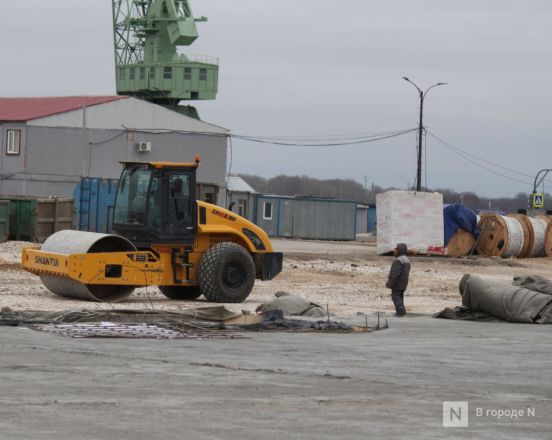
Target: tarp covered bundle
(527, 300)
(292, 305)
(459, 217)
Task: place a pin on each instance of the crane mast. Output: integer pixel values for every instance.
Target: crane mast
(147, 35)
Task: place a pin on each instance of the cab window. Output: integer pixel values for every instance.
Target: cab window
(130, 208)
(155, 205)
(179, 207)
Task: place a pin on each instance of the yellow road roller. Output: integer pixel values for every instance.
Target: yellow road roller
(163, 237)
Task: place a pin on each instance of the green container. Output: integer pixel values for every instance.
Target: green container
(4, 220)
(22, 219)
(35, 219)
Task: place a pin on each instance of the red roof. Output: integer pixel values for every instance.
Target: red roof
(26, 109)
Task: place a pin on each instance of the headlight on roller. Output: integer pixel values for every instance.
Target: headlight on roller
(254, 238)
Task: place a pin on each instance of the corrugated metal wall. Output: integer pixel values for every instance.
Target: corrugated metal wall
(362, 220)
(54, 158)
(12, 164)
(307, 218)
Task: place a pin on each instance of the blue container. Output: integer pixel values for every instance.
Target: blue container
(372, 218)
(94, 201)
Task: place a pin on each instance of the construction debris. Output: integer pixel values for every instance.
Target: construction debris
(200, 323)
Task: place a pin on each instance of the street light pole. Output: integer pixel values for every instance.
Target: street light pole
(422, 96)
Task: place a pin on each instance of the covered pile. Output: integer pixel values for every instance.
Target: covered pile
(527, 300)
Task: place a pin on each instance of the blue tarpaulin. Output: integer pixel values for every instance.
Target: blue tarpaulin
(459, 217)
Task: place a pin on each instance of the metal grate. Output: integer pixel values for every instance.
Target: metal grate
(134, 331)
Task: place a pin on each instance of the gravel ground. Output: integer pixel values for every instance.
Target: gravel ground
(348, 283)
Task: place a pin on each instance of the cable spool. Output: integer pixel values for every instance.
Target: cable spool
(547, 234)
(77, 242)
(539, 227)
(500, 236)
(546, 217)
(461, 244)
(529, 236)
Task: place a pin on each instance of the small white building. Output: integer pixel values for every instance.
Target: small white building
(240, 197)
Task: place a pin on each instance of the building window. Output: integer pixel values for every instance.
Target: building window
(13, 143)
(122, 73)
(187, 73)
(152, 72)
(132, 73)
(142, 73)
(267, 211)
(242, 207)
(167, 72)
(202, 74)
(209, 197)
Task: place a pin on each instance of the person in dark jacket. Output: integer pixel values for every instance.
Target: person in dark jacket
(398, 278)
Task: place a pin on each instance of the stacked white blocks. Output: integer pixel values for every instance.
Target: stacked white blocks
(414, 218)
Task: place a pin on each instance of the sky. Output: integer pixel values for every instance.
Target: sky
(321, 68)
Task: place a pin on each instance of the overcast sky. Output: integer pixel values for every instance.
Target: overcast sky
(318, 67)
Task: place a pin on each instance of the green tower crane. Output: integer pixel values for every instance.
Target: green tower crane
(147, 34)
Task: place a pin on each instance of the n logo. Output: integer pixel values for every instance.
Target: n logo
(455, 414)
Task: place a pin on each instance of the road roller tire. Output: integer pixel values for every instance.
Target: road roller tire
(226, 273)
(187, 293)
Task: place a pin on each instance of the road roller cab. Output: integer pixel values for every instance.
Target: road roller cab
(186, 247)
(155, 203)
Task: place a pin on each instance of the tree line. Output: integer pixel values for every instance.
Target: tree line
(349, 189)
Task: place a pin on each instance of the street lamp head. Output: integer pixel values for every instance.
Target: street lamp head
(405, 78)
(442, 84)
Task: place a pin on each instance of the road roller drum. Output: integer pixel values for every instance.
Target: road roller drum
(78, 242)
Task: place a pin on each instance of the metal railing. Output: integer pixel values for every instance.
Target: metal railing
(198, 58)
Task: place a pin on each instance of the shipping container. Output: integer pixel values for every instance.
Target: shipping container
(35, 219)
(94, 201)
(312, 218)
(4, 220)
(372, 219)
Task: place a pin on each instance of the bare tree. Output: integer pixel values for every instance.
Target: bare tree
(348, 189)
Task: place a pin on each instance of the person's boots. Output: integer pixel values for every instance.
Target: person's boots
(397, 297)
(403, 308)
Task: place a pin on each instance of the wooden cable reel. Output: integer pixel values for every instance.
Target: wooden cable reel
(461, 244)
(500, 236)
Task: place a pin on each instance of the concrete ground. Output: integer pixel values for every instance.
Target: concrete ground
(385, 385)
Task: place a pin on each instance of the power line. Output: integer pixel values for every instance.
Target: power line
(230, 165)
(314, 138)
(479, 158)
(425, 158)
(469, 159)
(326, 144)
(351, 140)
